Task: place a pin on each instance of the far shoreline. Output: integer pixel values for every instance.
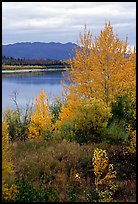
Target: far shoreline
(32, 70)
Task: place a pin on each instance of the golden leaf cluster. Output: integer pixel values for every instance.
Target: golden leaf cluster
(40, 118)
(100, 68)
(104, 175)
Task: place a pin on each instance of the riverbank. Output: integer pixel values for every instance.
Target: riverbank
(15, 67)
(32, 70)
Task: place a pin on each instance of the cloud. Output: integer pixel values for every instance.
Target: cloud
(62, 21)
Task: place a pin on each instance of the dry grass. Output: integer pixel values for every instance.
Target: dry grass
(15, 67)
(66, 168)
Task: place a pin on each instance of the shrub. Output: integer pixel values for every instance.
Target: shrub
(9, 192)
(115, 133)
(130, 146)
(68, 110)
(18, 122)
(124, 109)
(88, 122)
(67, 130)
(55, 109)
(63, 171)
(104, 176)
(9, 189)
(123, 115)
(53, 166)
(27, 193)
(125, 164)
(7, 166)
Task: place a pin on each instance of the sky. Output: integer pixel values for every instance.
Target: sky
(63, 21)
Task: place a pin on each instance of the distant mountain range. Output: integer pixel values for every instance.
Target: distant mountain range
(39, 50)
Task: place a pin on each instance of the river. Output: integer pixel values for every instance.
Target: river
(29, 85)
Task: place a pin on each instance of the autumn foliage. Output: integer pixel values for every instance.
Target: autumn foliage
(104, 176)
(57, 158)
(41, 118)
(8, 191)
(83, 120)
(103, 69)
(100, 68)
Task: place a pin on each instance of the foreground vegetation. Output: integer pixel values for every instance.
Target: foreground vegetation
(83, 148)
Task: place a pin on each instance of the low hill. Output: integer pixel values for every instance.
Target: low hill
(39, 50)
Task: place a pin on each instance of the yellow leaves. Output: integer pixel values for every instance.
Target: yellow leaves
(41, 104)
(41, 117)
(100, 69)
(104, 185)
(5, 136)
(77, 176)
(9, 192)
(67, 112)
(86, 118)
(131, 147)
(7, 166)
(100, 161)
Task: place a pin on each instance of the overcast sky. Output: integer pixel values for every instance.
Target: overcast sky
(63, 21)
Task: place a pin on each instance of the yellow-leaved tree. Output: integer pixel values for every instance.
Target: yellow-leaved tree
(104, 176)
(40, 124)
(103, 68)
(68, 110)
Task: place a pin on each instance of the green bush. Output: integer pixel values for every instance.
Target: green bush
(27, 193)
(18, 122)
(124, 110)
(115, 133)
(55, 108)
(67, 130)
(123, 115)
(88, 123)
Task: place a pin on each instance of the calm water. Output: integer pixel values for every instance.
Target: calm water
(29, 85)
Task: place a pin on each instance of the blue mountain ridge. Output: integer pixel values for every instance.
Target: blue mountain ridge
(39, 50)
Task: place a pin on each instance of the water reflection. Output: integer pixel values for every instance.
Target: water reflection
(29, 85)
(53, 77)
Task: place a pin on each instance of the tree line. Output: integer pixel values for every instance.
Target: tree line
(39, 62)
